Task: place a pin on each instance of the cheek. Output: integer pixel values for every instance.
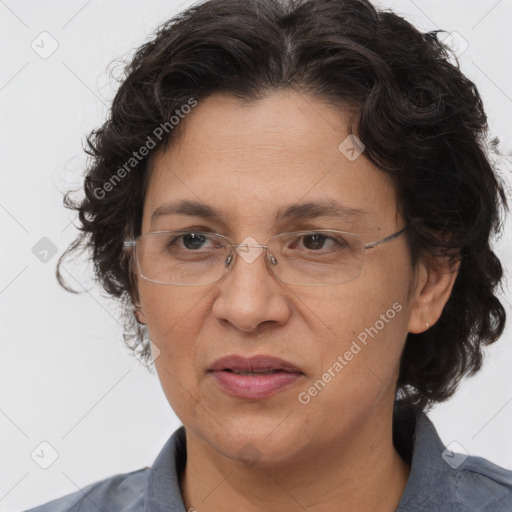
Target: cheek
(367, 340)
(374, 305)
(367, 321)
(170, 312)
(358, 366)
(174, 320)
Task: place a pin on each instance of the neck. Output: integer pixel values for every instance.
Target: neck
(362, 472)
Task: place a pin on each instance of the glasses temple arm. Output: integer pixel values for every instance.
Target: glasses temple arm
(371, 245)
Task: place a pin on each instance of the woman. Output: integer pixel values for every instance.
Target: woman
(294, 201)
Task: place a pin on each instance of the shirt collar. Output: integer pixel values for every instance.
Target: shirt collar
(430, 476)
(163, 492)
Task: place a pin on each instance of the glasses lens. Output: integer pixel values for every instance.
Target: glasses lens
(304, 257)
(181, 257)
(317, 257)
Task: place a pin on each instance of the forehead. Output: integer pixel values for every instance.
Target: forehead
(251, 161)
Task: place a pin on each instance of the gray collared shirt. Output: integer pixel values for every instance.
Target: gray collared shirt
(439, 481)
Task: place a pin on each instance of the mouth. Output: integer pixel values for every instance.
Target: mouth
(255, 364)
(255, 377)
(255, 372)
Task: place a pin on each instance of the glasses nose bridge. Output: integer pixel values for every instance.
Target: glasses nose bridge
(234, 250)
(241, 244)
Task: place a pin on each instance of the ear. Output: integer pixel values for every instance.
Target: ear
(433, 284)
(137, 308)
(134, 292)
(139, 314)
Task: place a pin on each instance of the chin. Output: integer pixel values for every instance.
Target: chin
(263, 444)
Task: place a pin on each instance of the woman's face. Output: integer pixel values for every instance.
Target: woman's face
(247, 162)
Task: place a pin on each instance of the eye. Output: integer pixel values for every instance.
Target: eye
(194, 241)
(314, 241)
(323, 242)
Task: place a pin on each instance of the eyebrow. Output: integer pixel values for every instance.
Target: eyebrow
(324, 208)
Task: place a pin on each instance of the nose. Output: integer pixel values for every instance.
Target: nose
(249, 294)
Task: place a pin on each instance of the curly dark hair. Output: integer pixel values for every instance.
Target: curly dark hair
(421, 120)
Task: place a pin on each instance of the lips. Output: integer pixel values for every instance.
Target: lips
(255, 377)
(256, 364)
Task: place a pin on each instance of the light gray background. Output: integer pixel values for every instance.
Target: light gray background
(66, 377)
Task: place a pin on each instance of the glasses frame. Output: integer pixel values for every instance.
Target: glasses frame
(131, 243)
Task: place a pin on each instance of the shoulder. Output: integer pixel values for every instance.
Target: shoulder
(446, 480)
(123, 492)
(142, 490)
(479, 481)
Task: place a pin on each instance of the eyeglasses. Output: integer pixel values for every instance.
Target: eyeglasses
(324, 257)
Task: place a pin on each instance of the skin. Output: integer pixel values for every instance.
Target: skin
(247, 160)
